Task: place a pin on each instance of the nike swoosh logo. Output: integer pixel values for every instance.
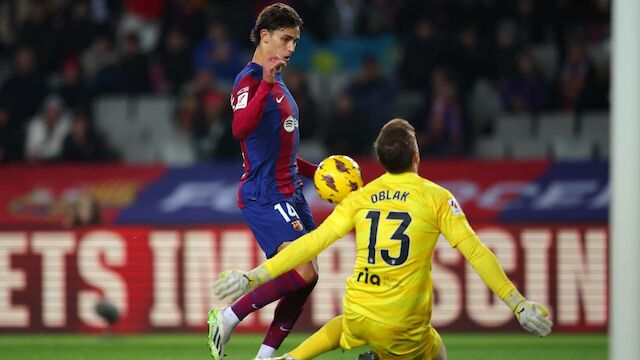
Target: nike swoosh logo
(279, 100)
(284, 329)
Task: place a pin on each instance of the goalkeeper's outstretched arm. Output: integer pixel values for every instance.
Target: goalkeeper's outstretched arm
(234, 283)
(532, 316)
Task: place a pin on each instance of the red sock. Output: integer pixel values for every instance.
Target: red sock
(267, 293)
(287, 313)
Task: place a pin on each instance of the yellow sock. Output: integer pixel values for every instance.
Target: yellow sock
(325, 339)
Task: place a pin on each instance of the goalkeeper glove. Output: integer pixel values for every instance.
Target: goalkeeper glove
(532, 316)
(232, 284)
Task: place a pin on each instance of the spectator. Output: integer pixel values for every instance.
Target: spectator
(373, 94)
(219, 53)
(97, 62)
(73, 91)
(176, 60)
(141, 19)
(343, 18)
(180, 149)
(504, 55)
(24, 90)
(47, 131)
(378, 17)
(527, 90)
(214, 136)
(315, 18)
(577, 74)
(423, 51)
(79, 30)
(203, 85)
(350, 133)
(37, 32)
(441, 134)
(133, 67)
(6, 136)
(187, 17)
(469, 58)
(596, 96)
(82, 144)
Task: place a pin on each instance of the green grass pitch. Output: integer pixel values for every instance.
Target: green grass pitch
(243, 347)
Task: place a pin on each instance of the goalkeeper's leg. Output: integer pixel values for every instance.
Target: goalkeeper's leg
(327, 338)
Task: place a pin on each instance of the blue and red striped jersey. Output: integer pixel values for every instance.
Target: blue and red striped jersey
(265, 121)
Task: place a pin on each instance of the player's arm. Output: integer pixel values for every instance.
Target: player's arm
(235, 283)
(249, 105)
(306, 168)
(455, 227)
(532, 316)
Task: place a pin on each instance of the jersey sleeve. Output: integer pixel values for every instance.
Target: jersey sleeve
(451, 220)
(306, 168)
(248, 100)
(486, 265)
(302, 250)
(342, 219)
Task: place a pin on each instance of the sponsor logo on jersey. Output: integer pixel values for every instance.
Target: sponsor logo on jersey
(367, 278)
(243, 100)
(455, 207)
(290, 124)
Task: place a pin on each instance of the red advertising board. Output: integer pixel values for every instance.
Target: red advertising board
(160, 279)
(40, 196)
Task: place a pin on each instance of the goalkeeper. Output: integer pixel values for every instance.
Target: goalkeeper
(398, 218)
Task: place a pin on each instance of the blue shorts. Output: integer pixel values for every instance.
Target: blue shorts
(279, 222)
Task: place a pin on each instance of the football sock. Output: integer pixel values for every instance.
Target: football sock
(286, 314)
(268, 293)
(265, 351)
(325, 339)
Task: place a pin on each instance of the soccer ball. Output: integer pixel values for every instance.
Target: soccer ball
(336, 177)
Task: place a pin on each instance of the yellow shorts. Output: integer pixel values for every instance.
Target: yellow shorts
(389, 342)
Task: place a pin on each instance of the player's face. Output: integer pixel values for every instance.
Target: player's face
(282, 42)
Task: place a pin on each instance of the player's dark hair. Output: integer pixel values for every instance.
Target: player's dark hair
(396, 145)
(274, 17)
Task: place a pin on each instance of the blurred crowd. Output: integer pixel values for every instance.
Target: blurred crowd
(58, 56)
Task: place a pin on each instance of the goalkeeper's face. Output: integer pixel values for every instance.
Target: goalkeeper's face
(281, 42)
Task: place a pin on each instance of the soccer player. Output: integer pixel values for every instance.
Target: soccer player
(265, 121)
(397, 219)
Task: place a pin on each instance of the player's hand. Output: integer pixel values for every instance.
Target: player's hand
(271, 66)
(534, 318)
(231, 284)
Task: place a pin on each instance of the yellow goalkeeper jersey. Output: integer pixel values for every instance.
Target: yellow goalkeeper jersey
(398, 219)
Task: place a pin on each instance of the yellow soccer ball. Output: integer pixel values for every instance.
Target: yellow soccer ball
(336, 177)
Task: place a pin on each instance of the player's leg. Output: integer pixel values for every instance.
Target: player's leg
(288, 311)
(271, 226)
(291, 305)
(327, 338)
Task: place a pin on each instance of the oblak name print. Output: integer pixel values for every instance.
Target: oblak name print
(386, 195)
